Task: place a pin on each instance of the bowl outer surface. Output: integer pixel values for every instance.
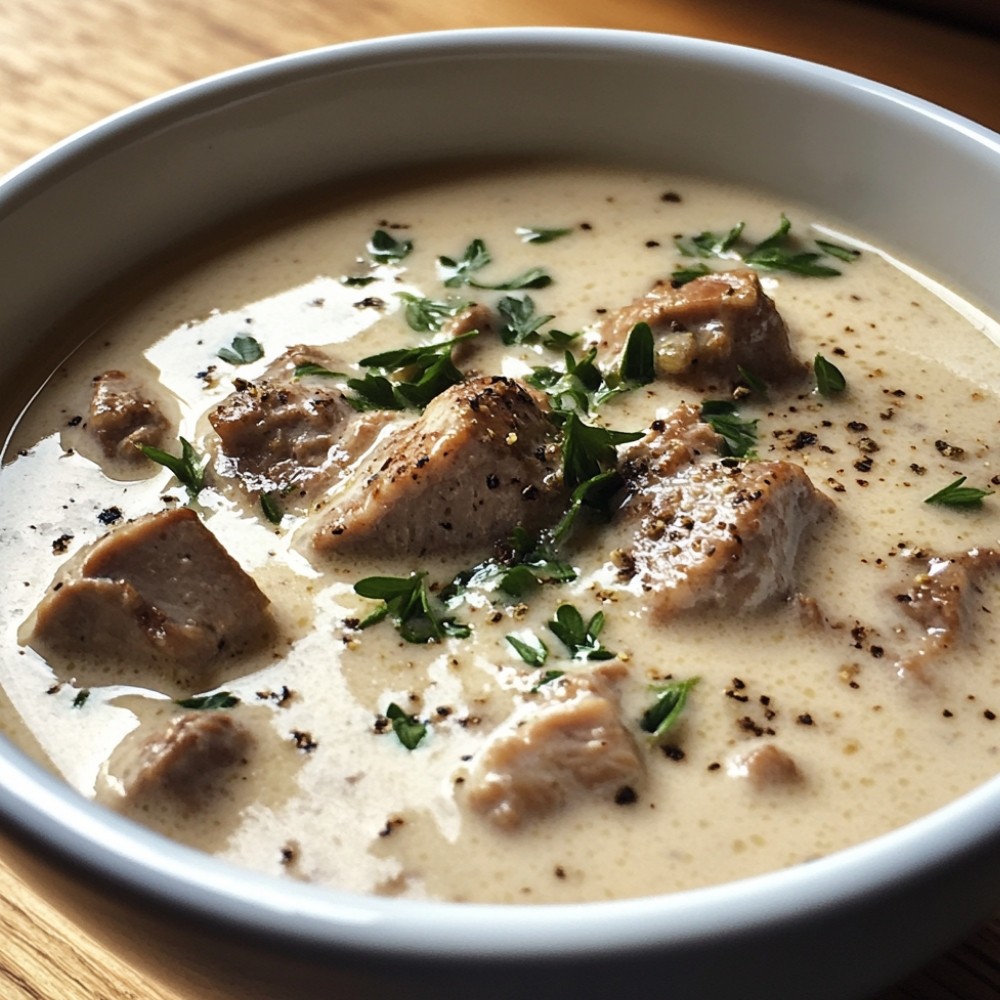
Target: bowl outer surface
(124, 191)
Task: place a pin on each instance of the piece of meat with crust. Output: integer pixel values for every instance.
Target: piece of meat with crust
(767, 767)
(476, 316)
(482, 459)
(706, 330)
(124, 415)
(699, 532)
(574, 744)
(283, 432)
(159, 591)
(184, 762)
(941, 599)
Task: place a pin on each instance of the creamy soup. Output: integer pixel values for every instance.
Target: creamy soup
(752, 642)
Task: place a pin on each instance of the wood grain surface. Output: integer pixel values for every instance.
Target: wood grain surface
(65, 64)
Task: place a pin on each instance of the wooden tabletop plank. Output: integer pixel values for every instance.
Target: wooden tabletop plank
(65, 64)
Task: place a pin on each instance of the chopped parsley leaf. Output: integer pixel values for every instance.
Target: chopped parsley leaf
(243, 351)
(520, 321)
(739, 437)
(829, 378)
(580, 638)
(209, 702)
(533, 234)
(428, 315)
(188, 467)
(408, 728)
(663, 714)
(534, 653)
(384, 248)
(417, 615)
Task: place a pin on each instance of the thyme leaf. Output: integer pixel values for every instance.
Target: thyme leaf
(957, 495)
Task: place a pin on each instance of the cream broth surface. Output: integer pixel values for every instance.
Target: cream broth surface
(334, 797)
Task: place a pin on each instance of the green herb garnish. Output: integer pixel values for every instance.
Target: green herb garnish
(776, 252)
(357, 281)
(829, 378)
(662, 715)
(595, 494)
(580, 638)
(520, 321)
(739, 437)
(408, 728)
(386, 249)
(458, 272)
(426, 372)
(209, 702)
(638, 365)
(312, 368)
(243, 351)
(270, 508)
(534, 653)
(533, 234)
(957, 495)
(522, 563)
(547, 678)
(751, 381)
(81, 698)
(417, 615)
(429, 315)
(589, 451)
(188, 467)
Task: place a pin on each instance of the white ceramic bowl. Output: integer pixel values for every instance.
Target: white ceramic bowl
(918, 178)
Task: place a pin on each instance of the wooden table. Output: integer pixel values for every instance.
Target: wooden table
(67, 63)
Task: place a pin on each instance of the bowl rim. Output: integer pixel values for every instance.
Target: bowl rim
(37, 807)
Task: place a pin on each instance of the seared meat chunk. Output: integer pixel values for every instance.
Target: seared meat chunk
(158, 591)
(941, 599)
(123, 416)
(283, 432)
(705, 331)
(767, 766)
(184, 762)
(481, 460)
(574, 744)
(477, 317)
(699, 532)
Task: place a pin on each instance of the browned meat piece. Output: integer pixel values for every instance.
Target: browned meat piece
(158, 591)
(699, 532)
(123, 415)
(481, 460)
(767, 767)
(476, 317)
(708, 329)
(575, 744)
(281, 432)
(185, 762)
(941, 599)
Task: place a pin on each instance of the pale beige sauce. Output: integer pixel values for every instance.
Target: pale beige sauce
(878, 754)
